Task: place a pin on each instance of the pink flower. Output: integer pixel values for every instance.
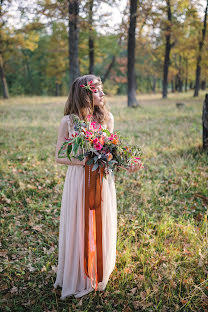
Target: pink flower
(74, 135)
(98, 146)
(96, 141)
(95, 126)
(89, 117)
(67, 139)
(113, 137)
(88, 133)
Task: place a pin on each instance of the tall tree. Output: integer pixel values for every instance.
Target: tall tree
(199, 57)
(74, 72)
(167, 49)
(91, 38)
(205, 123)
(3, 77)
(131, 55)
(4, 6)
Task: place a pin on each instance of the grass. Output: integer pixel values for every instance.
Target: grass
(162, 210)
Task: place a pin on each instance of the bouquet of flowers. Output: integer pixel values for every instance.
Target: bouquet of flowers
(100, 147)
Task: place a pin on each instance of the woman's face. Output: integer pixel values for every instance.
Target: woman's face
(98, 96)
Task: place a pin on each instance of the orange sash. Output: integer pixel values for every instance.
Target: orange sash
(93, 253)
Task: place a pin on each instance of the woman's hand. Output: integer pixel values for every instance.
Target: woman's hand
(134, 168)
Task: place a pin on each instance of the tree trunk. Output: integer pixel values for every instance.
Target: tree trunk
(107, 72)
(180, 85)
(3, 79)
(180, 81)
(109, 68)
(198, 73)
(28, 74)
(186, 78)
(57, 89)
(191, 85)
(131, 55)
(167, 51)
(203, 85)
(154, 84)
(198, 62)
(73, 7)
(172, 86)
(91, 39)
(177, 82)
(186, 85)
(205, 123)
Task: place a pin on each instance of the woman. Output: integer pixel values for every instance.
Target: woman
(85, 98)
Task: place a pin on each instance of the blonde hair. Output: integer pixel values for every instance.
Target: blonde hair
(81, 103)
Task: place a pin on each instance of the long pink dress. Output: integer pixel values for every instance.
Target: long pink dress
(70, 272)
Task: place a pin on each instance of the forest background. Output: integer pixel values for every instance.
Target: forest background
(35, 42)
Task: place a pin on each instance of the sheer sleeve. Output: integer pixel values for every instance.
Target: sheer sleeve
(110, 125)
(62, 134)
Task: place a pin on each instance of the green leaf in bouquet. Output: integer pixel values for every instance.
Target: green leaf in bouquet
(95, 167)
(94, 150)
(103, 157)
(102, 164)
(80, 157)
(111, 162)
(90, 161)
(62, 151)
(69, 149)
(107, 132)
(97, 157)
(76, 146)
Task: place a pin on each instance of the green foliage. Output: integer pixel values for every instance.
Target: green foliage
(35, 56)
(162, 210)
(110, 88)
(57, 53)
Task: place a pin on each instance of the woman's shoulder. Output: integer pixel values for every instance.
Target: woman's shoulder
(69, 118)
(65, 119)
(110, 122)
(110, 116)
(67, 123)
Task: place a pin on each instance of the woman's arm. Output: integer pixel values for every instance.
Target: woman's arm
(62, 134)
(110, 125)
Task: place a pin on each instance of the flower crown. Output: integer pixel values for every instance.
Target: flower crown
(89, 86)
